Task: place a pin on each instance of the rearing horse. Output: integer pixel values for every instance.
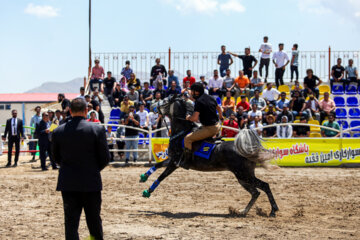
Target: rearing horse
(240, 157)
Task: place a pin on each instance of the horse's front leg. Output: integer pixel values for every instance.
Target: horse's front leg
(144, 177)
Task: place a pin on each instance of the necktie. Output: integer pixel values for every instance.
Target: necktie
(14, 126)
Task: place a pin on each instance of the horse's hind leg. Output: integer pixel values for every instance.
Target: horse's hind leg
(266, 188)
(252, 190)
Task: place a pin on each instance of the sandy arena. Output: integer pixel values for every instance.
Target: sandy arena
(315, 203)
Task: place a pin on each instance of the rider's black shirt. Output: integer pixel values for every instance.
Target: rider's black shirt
(206, 106)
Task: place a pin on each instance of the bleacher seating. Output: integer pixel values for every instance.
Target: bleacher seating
(339, 101)
(352, 102)
(356, 135)
(315, 135)
(113, 128)
(323, 89)
(141, 141)
(355, 124)
(343, 123)
(313, 128)
(346, 135)
(115, 114)
(354, 113)
(337, 90)
(341, 113)
(284, 88)
(218, 100)
(351, 90)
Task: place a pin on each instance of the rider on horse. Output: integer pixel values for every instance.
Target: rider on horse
(204, 110)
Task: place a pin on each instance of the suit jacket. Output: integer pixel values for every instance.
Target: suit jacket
(19, 129)
(41, 134)
(81, 150)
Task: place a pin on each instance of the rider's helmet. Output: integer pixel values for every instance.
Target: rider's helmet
(198, 87)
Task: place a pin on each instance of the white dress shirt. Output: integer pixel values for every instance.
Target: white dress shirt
(266, 49)
(215, 83)
(271, 94)
(14, 126)
(280, 58)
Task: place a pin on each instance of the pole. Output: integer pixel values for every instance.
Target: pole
(169, 58)
(150, 144)
(89, 69)
(329, 63)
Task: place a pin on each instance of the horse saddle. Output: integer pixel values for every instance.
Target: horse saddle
(204, 148)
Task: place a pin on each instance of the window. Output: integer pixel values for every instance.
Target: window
(8, 107)
(2, 106)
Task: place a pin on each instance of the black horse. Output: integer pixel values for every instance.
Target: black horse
(240, 157)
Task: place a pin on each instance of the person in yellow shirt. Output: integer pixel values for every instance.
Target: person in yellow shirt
(228, 104)
(242, 84)
(125, 105)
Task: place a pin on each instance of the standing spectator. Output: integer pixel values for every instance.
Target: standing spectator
(242, 84)
(265, 49)
(189, 78)
(109, 84)
(284, 131)
(313, 107)
(153, 119)
(254, 113)
(215, 84)
(311, 82)
(82, 93)
(302, 131)
(33, 123)
(258, 101)
(280, 103)
(58, 116)
(161, 90)
(146, 95)
(228, 83)
(157, 70)
(65, 103)
(171, 78)
(247, 62)
(256, 84)
(110, 141)
(270, 132)
(270, 94)
(64, 119)
(43, 132)
(327, 107)
(97, 76)
(125, 105)
(231, 122)
(126, 71)
(133, 96)
(15, 131)
(174, 89)
(133, 120)
(242, 117)
(228, 104)
(279, 59)
(294, 63)
(285, 112)
(144, 118)
(331, 124)
(118, 95)
(93, 117)
(337, 74)
(243, 103)
(51, 116)
(224, 60)
(351, 72)
(134, 82)
(257, 124)
(297, 105)
(120, 133)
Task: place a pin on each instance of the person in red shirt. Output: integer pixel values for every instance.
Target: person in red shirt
(93, 117)
(188, 78)
(243, 103)
(230, 123)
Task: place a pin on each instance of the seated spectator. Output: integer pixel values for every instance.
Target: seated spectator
(133, 96)
(133, 120)
(311, 83)
(302, 131)
(256, 83)
(186, 88)
(93, 117)
(284, 131)
(125, 106)
(173, 89)
(189, 78)
(242, 84)
(258, 101)
(171, 78)
(158, 70)
(123, 85)
(270, 94)
(126, 71)
(231, 122)
(134, 82)
(109, 84)
(257, 124)
(280, 103)
(337, 74)
(254, 113)
(215, 84)
(285, 112)
(271, 111)
(96, 96)
(118, 95)
(90, 109)
(97, 76)
(312, 106)
(157, 100)
(297, 105)
(110, 141)
(331, 124)
(243, 103)
(297, 88)
(351, 73)
(242, 117)
(97, 106)
(228, 83)
(270, 132)
(228, 104)
(144, 118)
(327, 107)
(160, 90)
(146, 95)
(202, 80)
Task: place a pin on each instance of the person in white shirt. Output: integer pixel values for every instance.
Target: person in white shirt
(257, 124)
(215, 84)
(265, 49)
(270, 94)
(281, 60)
(144, 118)
(254, 113)
(284, 131)
(82, 93)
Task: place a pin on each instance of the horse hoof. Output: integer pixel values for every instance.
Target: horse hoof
(143, 177)
(146, 194)
(272, 214)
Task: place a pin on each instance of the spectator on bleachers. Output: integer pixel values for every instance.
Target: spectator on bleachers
(123, 84)
(118, 95)
(171, 78)
(297, 88)
(202, 80)
(260, 102)
(224, 60)
(297, 105)
(332, 124)
(302, 131)
(271, 111)
(294, 63)
(228, 104)
(157, 70)
(189, 78)
(337, 74)
(254, 113)
(311, 83)
(351, 72)
(157, 100)
(265, 49)
(154, 119)
(270, 94)
(133, 120)
(284, 131)
(313, 107)
(133, 96)
(256, 84)
(96, 96)
(231, 122)
(110, 141)
(126, 71)
(270, 132)
(125, 106)
(109, 84)
(89, 109)
(120, 133)
(228, 83)
(248, 60)
(242, 117)
(93, 117)
(257, 124)
(280, 60)
(87, 99)
(186, 88)
(95, 101)
(144, 118)
(280, 103)
(327, 107)
(82, 93)
(215, 84)
(243, 103)
(160, 90)
(242, 84)
(97, 75)
(65, 103)
(285, 112)
(134, 82)
(146, 95)
(173, 89)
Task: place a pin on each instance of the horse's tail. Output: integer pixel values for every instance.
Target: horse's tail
(249, 145)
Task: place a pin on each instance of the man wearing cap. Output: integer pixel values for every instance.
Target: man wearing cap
(133, 120)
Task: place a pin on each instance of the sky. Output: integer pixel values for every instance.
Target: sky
(47, 40)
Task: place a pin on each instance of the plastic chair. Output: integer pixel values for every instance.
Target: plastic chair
(339, 101)
(315, 135)
(355, 124)
(147, 110)
(346, 135)
(313, 128)
(354, 113)
(341, 113)
(293, 87)
(343, 123)
(218, 100)
(337, 90)
(141, 141)
(356, 135)
(113, 128)
(115, 114)
(351, 90)
(284, 88)
(239, 100)
(297, 121)
(323, 89)
(352, 102)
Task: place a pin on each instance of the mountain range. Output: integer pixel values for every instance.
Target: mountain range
(72, 86)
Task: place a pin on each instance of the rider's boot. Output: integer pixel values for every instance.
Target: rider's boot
(187, 159)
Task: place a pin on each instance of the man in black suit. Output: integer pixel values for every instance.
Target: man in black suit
(80, 148)
(43, 133)
(14, 127)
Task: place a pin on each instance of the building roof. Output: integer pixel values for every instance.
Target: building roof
(33, 97)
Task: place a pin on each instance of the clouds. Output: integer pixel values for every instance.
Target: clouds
(41, 11)
(346, 9)
(206, 6)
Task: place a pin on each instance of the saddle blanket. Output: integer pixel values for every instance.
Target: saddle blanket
(205, 150)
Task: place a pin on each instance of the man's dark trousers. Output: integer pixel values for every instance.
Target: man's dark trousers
(74, 202)
(279, 73)
(11, 141)
(45, 150)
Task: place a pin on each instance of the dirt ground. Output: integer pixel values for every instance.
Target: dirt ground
(315, 203)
